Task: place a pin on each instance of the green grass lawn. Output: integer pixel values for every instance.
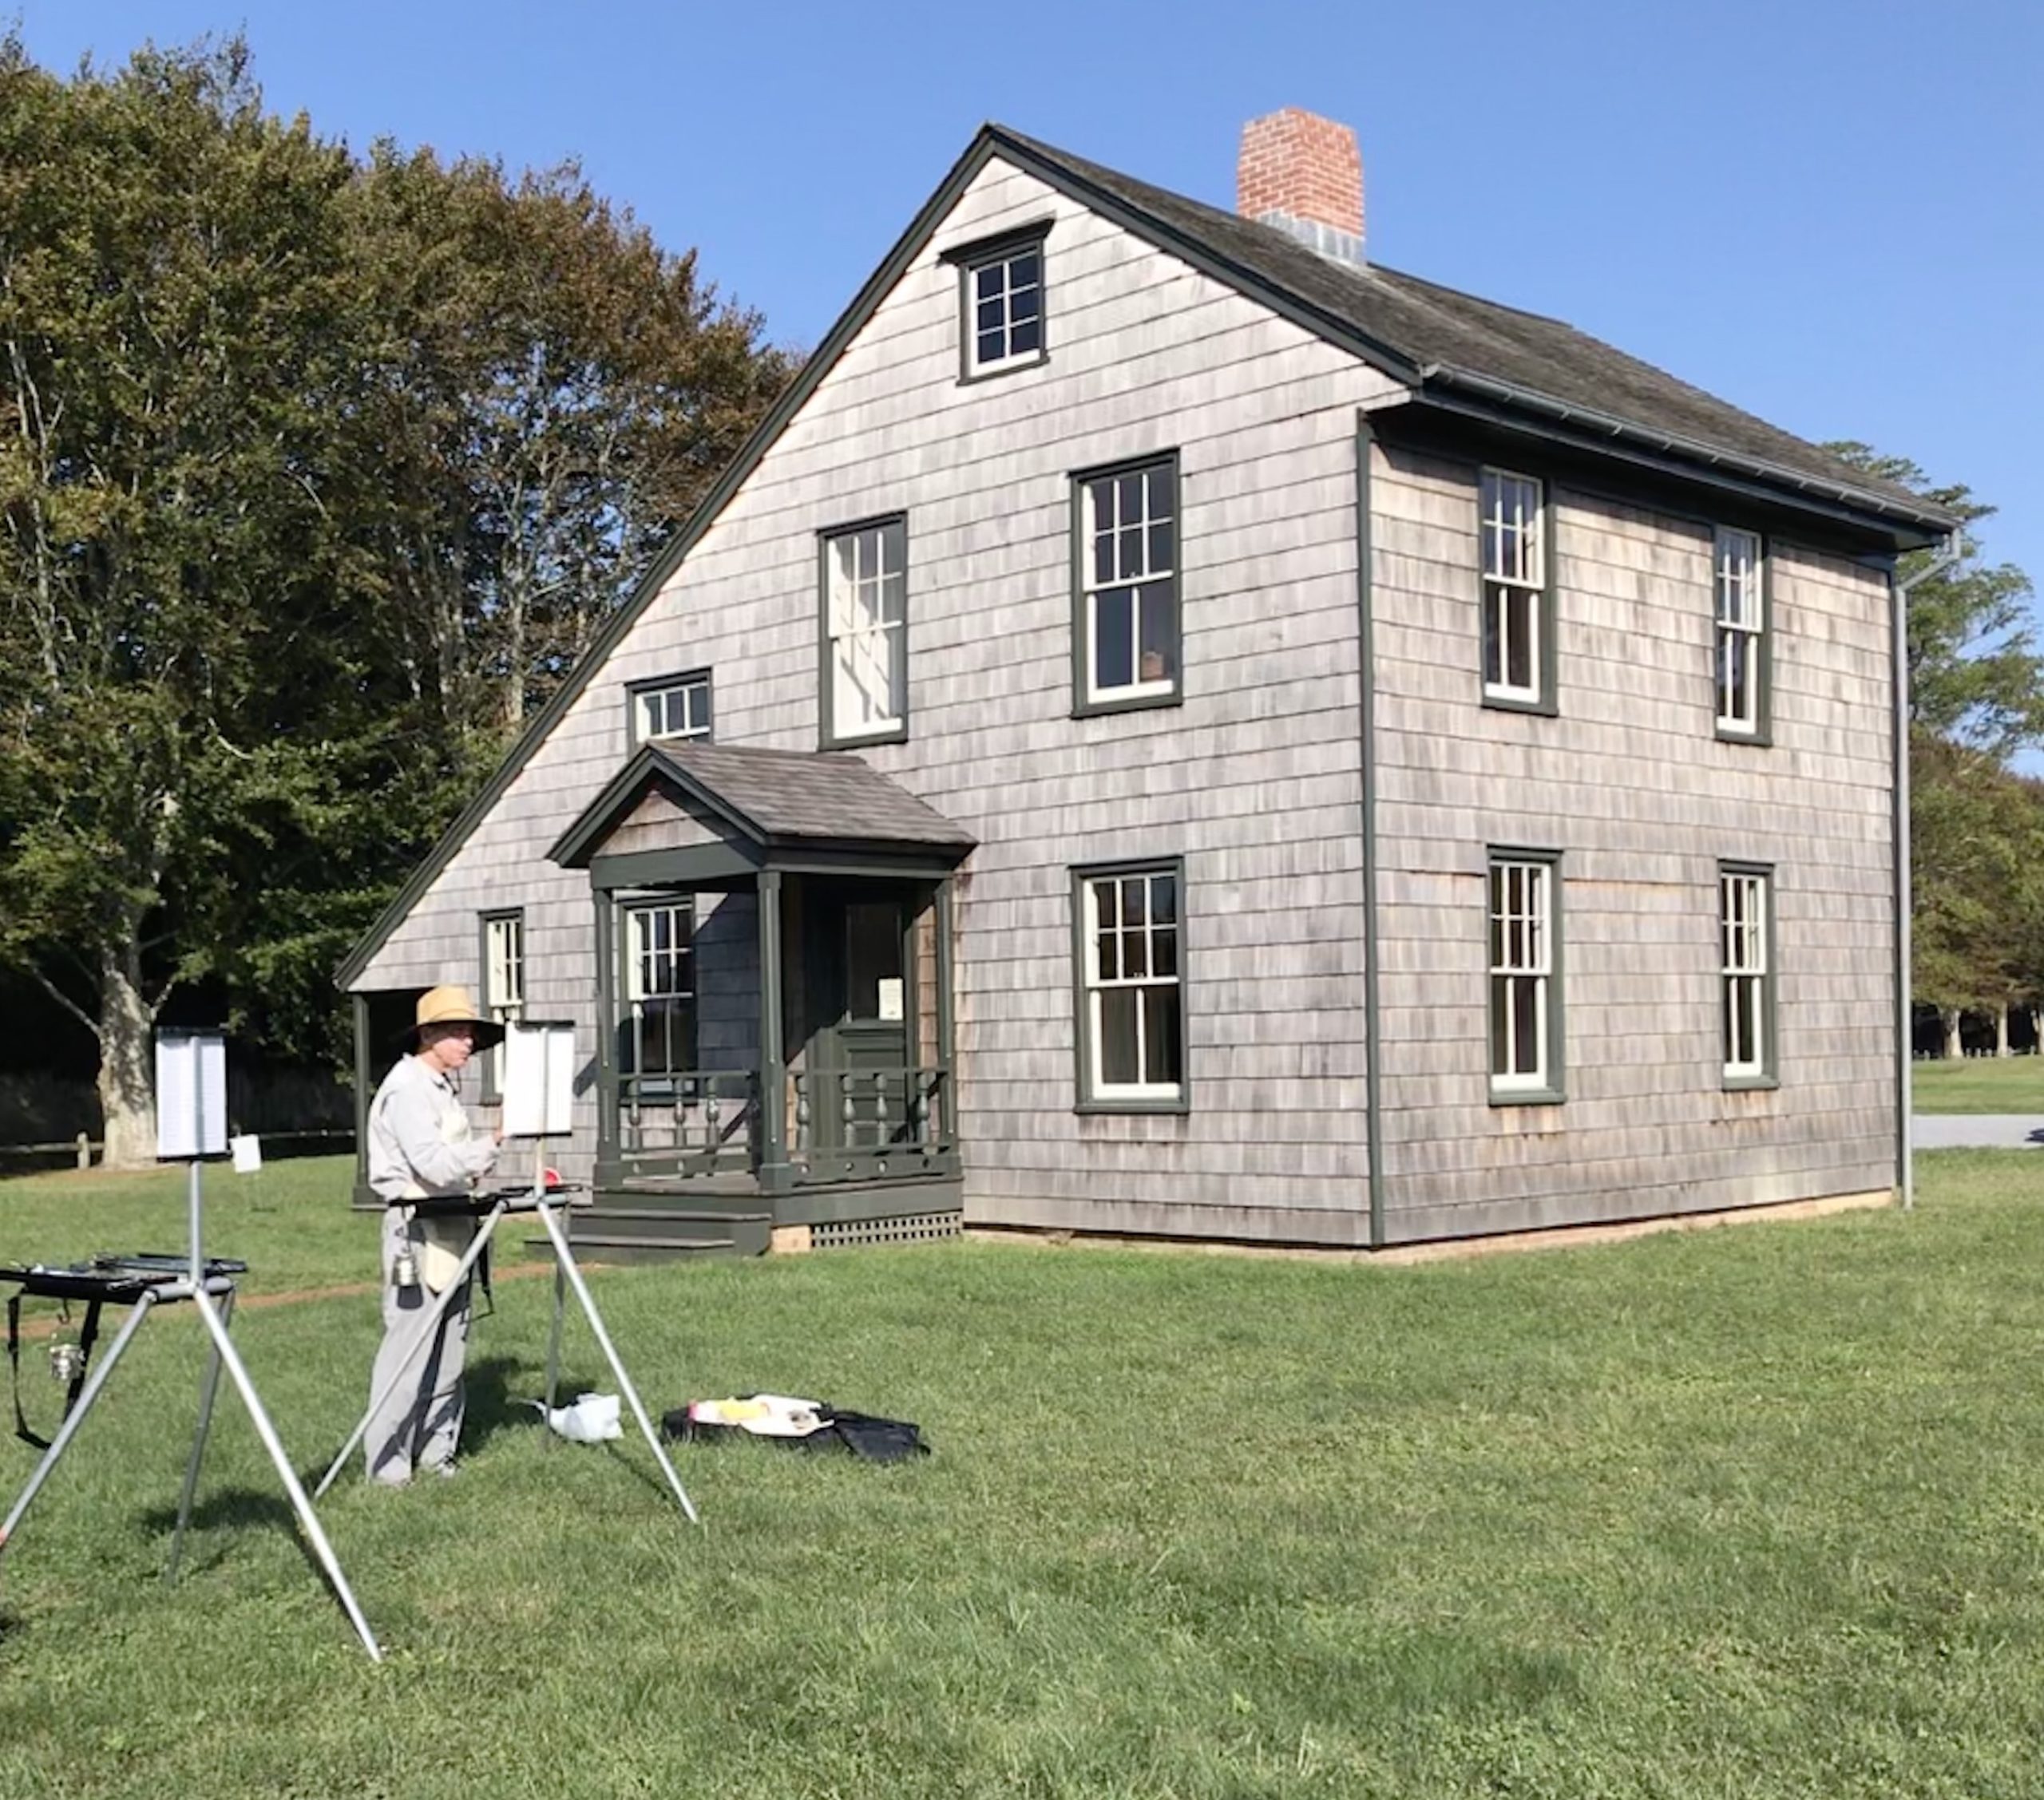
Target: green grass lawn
(1980, 1084)
(1747, 1512)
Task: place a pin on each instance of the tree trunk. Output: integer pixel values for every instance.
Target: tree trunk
(2002, 1031)
(127, 1096)
(1954, 1048)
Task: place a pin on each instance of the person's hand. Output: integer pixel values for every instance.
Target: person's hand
(497, 1134)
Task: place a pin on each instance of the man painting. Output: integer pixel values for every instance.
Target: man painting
(420, 1147)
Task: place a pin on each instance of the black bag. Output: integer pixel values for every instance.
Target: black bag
(870, 1438)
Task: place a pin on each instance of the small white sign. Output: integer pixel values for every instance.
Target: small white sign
(191, 1095)
(248, 1152)
(539, 1081)
(890, 997)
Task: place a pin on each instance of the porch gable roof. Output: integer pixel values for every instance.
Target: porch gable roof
(769, 801)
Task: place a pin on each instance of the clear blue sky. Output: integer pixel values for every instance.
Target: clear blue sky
(1829, 211)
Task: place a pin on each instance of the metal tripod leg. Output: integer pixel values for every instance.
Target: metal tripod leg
(446, 1299)
(75, 1417)
(565, 1262)
(553, 1337)
(208, 1391)
(223, 1347)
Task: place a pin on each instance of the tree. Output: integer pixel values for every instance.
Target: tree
(171, 265)
(1976, 697)
(1976, 677)
(552, 393)
(316, 474)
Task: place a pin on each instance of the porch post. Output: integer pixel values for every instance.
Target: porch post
(363, 1068)
(947, 1051)
(609, 1141)
(774, 1173)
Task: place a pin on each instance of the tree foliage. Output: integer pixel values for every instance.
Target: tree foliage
(316, 472)
(1976, 703)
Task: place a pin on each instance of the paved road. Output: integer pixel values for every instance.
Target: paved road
(1986, 1131)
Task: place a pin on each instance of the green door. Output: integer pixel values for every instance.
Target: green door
(858, 975)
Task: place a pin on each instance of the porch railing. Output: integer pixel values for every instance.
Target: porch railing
(704, 1123)
(873, 1122)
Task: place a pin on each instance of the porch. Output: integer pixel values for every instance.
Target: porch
(774, 1019)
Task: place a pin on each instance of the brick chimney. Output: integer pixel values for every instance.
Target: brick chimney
(1304, 175)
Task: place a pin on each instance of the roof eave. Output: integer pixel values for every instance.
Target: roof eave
(1914, 524)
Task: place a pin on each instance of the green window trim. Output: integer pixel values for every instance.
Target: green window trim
(1496, 592)
(1004, 252)
(1131, 509)
(888, 533)
(695, 682)
(1525, 968)
(1748, 999)
(500, 963)
(1093, 1096)
(1727, 722)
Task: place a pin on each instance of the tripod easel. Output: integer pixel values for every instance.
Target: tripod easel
(144, 1283)
(550, 1206)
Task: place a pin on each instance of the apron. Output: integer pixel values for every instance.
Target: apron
(440, 1242)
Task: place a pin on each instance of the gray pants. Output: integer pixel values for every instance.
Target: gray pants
(420, 1424)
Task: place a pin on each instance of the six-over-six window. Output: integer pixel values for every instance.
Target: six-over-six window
(1132, 986)
(1742, 640)
(1745, 932)
(1126, 629)
(866, 632)
(1518, 621)
(1525, 1002)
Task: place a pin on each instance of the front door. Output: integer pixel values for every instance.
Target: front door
(858, 976)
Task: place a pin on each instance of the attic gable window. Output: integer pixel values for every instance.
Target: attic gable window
(1001, 303)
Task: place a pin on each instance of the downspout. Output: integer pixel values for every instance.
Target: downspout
(1950, 552)
(1366, 702)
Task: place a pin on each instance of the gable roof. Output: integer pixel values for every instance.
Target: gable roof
(1468, 352)
(1436, 337)
(772, 799)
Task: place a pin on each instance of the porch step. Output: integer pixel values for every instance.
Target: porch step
(684, 1231)
(628, 1247)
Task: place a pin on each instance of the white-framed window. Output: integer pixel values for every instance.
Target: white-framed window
(1003, 308)
(1132, 986)
(1746, 972)
(1512, 526)
(1741, 660)
(503, 985)
(1127, 553)
(673, 706)
(658, 1038)
(1525, 999)
(866, 624)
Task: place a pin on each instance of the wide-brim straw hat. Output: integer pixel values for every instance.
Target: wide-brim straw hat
(451, 1005)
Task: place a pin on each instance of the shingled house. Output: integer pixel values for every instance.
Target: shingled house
(1172, 727)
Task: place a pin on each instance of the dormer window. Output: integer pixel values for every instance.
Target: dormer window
(1001, 302)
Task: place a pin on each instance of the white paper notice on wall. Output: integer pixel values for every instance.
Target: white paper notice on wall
(247, 1151)
(890, 997)
(191, 1095)
(539, 1081)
